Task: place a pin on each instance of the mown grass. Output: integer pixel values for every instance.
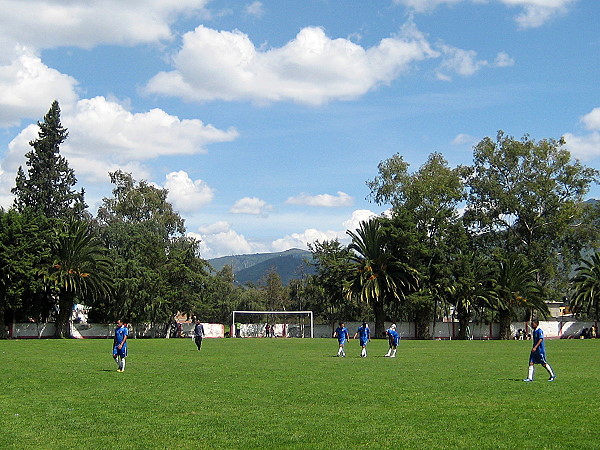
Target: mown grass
(295, 394)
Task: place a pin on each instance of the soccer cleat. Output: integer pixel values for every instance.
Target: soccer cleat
(552, 378)
(527, 380)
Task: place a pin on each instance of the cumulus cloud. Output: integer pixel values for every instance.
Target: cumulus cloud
(586, 147)
(301, 240)
(186, 194)
(255, 9)
(463, 139)
(28, 87)
(324, 200)
(252, 206)
(219, 239)
(465, 62)
(104, 137)
(311, 69)
(358, 216)
(534, 12)
(87, 24)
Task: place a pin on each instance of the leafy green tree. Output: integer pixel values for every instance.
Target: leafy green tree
(25, 246)
(377, 278)
(48, 185)
(425, 212)
(220, 297)
(80, 270)
(526, 197)
(326, 288)
(586, 287)
(158, 270)
(512, 287)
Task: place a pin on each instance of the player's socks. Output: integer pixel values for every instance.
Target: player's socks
(388, 353)
(550, 371)
(117, 362)
(531, 370)
(122, 365)
(393, 353)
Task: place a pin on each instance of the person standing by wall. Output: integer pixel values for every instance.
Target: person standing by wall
(198, 334)
(393, 340)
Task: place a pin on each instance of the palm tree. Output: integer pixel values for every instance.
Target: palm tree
(512, 285)
(80, 269)
(586, 287)
(377, 277)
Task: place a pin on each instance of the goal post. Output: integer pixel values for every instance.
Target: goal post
(273, 313)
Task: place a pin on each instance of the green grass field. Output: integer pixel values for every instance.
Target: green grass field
(295, 394)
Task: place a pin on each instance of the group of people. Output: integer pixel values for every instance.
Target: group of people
(537, 356)
(364, 336)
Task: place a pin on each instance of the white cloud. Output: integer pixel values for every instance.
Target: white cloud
(464, 139)
(465, 62)
(312, 68)
(592, 119)
(255, 9)
(104, 137)
(301, 240)
(219, 239)
(535, 12)
(586, 147)
(28, 87)
(358, 216)
(252, 206)
(54, 23)
(324, 200)
(186, 194)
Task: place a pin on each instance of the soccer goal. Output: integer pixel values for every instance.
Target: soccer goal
(274, 329)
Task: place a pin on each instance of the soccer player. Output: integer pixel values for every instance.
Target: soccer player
(364, 335)
(538, 352)
(120, 345)
(393, 340)
(341, 333)
(198, 334)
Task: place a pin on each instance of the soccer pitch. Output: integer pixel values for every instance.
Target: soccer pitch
(295, 394)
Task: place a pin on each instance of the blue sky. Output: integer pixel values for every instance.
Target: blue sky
(264, 119)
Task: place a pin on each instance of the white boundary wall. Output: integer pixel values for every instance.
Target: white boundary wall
(443, 330)
(449, 330)
(104, 331)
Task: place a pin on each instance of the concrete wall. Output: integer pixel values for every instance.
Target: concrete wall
(442, 330)
(99, 331)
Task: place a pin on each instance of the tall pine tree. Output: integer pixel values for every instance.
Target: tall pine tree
(48, 185)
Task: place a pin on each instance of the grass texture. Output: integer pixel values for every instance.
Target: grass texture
(295, 394)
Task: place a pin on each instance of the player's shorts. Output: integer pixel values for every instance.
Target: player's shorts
(342, 341)
(122, 352)
(363, 343)
(537, 358)
(394, 341)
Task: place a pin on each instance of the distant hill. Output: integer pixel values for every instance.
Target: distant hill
(290, 264)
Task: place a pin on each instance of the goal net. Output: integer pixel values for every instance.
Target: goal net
(272, 324)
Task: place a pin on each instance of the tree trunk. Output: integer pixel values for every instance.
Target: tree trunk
(379, 313)
(63, 318)
(3, 334)
(504, 317)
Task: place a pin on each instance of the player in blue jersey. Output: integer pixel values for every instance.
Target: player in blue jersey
(120, 345)
(341, 333)
(393, 340)
(538, 353)
(364, 336)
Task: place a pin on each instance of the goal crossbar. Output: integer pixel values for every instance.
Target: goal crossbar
(275, 313)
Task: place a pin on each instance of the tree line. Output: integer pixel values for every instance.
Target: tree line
(494, 240)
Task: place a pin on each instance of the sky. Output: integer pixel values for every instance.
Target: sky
(265, 119)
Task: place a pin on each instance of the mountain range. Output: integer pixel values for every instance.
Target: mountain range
(254, 268)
